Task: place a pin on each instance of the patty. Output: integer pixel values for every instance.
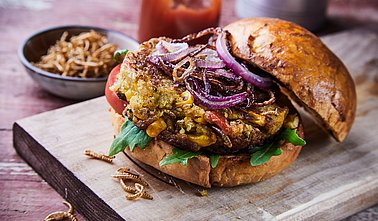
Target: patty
(167, 111)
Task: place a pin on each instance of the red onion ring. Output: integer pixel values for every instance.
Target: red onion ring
(160, 64)
(172, 51)
(161, 49)
(208, 58)
(206, 83)
(229, 60)
(164, 47)
(226, 74)
(209, 63)
(213, 102)
(187, 71)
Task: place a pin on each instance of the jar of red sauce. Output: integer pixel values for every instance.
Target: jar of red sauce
(176, 18)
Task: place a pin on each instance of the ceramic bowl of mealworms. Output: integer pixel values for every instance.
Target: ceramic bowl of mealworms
(73, 61)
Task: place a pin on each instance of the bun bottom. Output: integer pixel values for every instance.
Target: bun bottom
(232, 170)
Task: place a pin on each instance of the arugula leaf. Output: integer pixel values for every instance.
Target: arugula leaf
(265, 152)
(129, 136)
(178, 156)
(262, 156)
(214, 158)
(119, 55)
(292, 137)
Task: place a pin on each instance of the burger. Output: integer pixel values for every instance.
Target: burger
(219, 113)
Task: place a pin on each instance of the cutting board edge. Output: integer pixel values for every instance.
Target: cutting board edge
(42, 160)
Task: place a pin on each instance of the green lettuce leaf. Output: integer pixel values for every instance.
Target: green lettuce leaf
(214, 158)
(129, 136)
(263, 153)
(178, 156)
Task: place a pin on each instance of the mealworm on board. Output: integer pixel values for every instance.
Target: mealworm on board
(130, 176)
(99, 156)
(62, 215)
(137, 195)
(134, 190)
(123, 170)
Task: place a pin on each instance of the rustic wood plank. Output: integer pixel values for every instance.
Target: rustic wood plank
(64, 181)
(328, 180)
(23, 193)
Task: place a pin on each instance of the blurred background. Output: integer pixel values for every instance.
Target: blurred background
(23, 194)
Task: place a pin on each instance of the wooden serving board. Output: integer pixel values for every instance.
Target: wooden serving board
(328, 181)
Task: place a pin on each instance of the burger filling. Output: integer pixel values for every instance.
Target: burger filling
(199, 98)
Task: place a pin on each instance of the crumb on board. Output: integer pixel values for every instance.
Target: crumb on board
(202, 193)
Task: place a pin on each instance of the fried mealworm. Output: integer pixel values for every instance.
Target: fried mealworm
(87, 55)
(123, 170)
(271, 100)
(130, 176)
(141, 191)
(274, 112)
(61, 215)
(99, 156)
(133, 190)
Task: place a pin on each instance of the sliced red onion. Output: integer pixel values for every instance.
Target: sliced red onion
(226, 74)
(171, 51)
(211, 97)
(161, 49)
(154, 60)
(206, 83)
(213, 102)
(229, 60)
(167, 68)
(208, 58)
(208, 53)
(196, 50)
(175, 56)
(167, 47)
(210, 63)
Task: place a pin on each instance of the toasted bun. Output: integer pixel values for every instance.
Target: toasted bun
(230, 171)
(314, 77)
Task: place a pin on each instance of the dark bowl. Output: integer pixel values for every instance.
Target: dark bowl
(76, 88)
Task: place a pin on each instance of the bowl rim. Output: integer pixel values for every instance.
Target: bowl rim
(39, 71)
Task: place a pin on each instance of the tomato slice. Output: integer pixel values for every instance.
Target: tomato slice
(115, 102)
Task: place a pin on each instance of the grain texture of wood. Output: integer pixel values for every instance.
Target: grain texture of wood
(328, 180)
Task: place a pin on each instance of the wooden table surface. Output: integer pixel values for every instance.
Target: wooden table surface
(23, 194)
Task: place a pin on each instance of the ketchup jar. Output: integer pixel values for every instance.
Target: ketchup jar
(176, 18)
